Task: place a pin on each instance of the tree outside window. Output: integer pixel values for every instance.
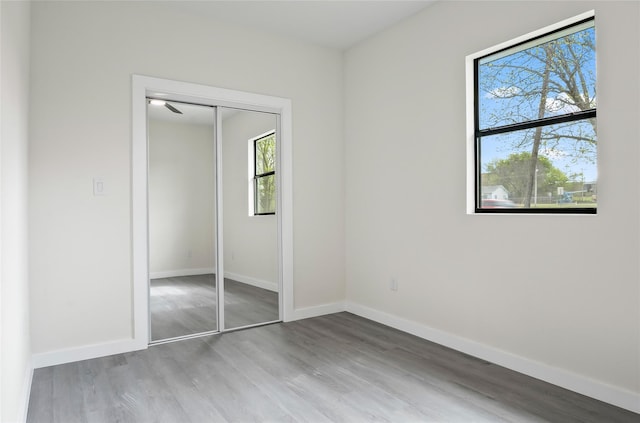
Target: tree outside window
(264, 149)
(535, 123)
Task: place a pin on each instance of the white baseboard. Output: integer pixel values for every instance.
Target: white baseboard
(25, 394)
(181, 272)
(86, 352)
(319, 310)
(259, 283)
(563, 378)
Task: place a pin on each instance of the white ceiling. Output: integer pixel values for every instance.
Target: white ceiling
(331, 23)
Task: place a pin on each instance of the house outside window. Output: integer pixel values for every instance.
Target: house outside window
(495, 192)
(534, 123)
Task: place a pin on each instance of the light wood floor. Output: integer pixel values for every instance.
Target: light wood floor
(186, 305)
(336, 368)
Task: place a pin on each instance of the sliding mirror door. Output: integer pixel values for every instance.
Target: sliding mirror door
(250, 227)
(182, 219)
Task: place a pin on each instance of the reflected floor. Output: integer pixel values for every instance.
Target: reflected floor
(186, 305)
(247, 305)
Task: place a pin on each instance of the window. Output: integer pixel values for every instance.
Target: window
(264, 178)
(534, 123)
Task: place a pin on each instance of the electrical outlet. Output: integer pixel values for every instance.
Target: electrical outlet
(393, 284)
(98, 187)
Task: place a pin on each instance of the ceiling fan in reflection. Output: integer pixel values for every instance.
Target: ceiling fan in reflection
(155, 102)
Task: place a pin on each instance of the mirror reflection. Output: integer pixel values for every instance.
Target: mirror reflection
(249, 218)
(181, 178)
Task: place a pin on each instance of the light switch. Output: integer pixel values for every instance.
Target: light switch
(98, 186)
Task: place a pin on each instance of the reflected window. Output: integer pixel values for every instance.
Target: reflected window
(535, 124)
(264, 178)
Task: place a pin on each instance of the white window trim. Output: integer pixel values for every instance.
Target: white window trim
(470, 100)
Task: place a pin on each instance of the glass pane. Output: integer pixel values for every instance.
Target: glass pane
(251, 256)
(555, 77)
(564, 175)
(266, 154)
(182, 216)
(266, 194)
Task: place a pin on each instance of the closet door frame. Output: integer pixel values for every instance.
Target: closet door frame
(145, 86)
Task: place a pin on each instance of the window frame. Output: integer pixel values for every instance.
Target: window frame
(475, 134)
(255, 176)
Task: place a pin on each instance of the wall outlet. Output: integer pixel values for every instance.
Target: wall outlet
(98, 187)
(189, 253)
(393, 284)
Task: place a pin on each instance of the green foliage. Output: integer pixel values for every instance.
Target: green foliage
(265, 178)
(513, 171)
(266, 154)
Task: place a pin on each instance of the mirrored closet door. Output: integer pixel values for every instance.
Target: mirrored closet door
(182, 219)
(212, 202)
(250, 227)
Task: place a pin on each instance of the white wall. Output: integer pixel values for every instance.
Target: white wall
(567, 292)
(181, 198)
(250, 242)
(15, 351)
(83, 55)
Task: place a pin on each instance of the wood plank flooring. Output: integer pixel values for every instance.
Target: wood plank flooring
(186, 305)
(335, 368)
